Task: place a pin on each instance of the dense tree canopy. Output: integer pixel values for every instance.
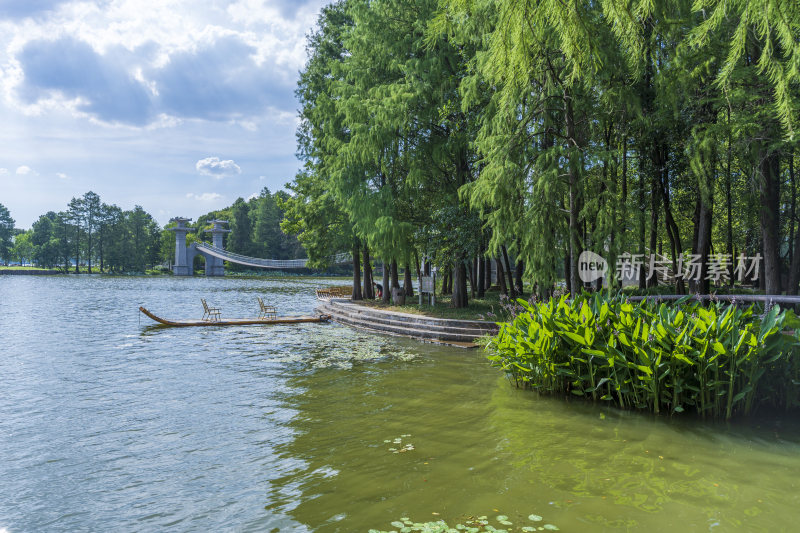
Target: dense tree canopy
(663, 131)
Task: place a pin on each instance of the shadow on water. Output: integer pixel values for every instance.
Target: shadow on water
(481, 447)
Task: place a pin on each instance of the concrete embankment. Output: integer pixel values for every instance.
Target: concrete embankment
(28, 272)
(454, 332)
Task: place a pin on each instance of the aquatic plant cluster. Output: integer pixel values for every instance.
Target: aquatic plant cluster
(718, 360)
(408, 447)
(471, 524)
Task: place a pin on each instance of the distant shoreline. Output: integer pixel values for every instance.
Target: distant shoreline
(29, 272)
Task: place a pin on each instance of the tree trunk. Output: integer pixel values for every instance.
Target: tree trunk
(509, 273)
(473, 276)
(460, 299)
(704, 213)
(77, 249)
(100, 249)
(357, 270)
(501, 277)
(89, 252)
(387, 291)
(408, 287)
(518, 277)
(794, 269)
(369, 289)
(729, 205)
(574, 194)
(673, 232)
(654, 209)
(487, 262)
(393, 273)
(769, 189)
(622, 223)
(641, 215)
(792, 206)
(481, 274)
(704, 244)
(625, 170)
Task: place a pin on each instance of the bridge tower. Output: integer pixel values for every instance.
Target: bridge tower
(182, 267)
(214, 265)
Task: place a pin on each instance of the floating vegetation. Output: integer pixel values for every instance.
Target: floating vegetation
(349, 348)
(717, 360)
(399, 440)
(469, 524)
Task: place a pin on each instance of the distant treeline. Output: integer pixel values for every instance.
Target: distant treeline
(94, 236)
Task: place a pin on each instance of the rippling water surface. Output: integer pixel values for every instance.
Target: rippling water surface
(110, 424)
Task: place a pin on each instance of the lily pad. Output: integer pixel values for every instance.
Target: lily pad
(534, 518)
(551, 527)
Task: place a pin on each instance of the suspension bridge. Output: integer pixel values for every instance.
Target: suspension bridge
(215, 254)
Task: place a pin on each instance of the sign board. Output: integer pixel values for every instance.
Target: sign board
(426, 284)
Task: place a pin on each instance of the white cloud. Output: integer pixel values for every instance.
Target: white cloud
(3, 171)
(122, 95)
(25, 170)
(122, 62)
(62, 176)
(213, 166)
(205, 197)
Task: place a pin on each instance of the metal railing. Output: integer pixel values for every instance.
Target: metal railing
(748, 298)
(232, 257)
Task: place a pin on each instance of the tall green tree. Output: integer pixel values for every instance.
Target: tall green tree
(6, 233)
(23, 250)
(240, 239)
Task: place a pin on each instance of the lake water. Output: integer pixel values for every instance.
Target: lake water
(109, 424)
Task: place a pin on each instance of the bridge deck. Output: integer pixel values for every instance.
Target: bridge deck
(256, 262)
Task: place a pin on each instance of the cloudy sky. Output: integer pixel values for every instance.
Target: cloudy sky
(180, 106)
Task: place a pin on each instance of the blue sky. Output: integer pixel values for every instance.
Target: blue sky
(179, 106)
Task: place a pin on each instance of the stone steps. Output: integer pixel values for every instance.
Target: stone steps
(374, 316)
(447, 331)
(355, 307)
(403, 330)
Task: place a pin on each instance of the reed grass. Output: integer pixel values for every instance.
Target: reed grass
(718, 360)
